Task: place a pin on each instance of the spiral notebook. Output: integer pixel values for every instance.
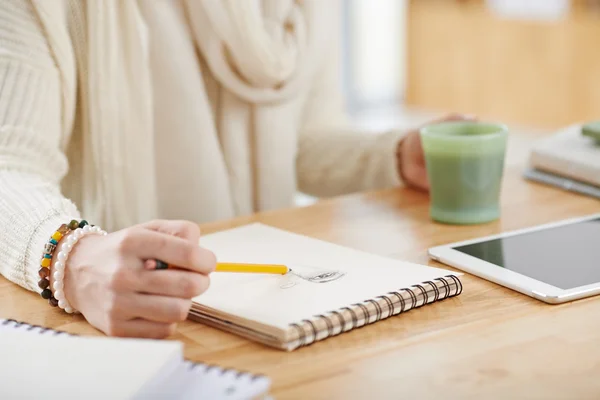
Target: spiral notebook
(331, 289)
(38, 362)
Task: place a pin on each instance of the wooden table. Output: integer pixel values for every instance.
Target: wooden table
(489, 342)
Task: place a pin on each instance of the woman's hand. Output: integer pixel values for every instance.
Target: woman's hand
(411, 159)
(106, 281)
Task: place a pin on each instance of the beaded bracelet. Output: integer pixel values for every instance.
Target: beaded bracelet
(62, 256)
(79, 229)
(44, 271)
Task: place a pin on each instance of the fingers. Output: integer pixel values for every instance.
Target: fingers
(183, 229)
(148, 244)
(459, 117)
(420, 180)
(415, 176)
(155, 308)
(453, 117)
(175, 283)
(142, 329)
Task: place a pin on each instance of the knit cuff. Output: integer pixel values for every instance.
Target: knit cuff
(388, 148)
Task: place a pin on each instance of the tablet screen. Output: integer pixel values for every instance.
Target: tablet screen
(566, 256)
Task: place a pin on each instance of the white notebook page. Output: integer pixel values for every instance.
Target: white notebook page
(206, 382)
(188, 380)
(37, 366)
(277, 300)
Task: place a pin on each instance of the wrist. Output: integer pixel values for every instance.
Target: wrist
(72, 269)
(56, 258)
(63, 259)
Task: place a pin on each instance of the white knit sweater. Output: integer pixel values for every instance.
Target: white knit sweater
(190, 109)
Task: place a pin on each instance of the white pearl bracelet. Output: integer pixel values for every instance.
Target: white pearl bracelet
(59, 266)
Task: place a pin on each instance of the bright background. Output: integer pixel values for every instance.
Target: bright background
(527, 62)
(532, 64)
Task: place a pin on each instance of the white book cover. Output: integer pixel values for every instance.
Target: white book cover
(37, 362)
(71, 367)
(569, 154)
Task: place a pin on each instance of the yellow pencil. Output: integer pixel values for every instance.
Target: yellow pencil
(252, 268)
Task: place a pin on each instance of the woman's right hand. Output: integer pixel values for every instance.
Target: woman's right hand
(106, 281)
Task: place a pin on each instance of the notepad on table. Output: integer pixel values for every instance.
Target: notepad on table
(42, 363)
(331, 289)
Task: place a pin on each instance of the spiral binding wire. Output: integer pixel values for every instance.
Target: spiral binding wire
(360, 314)
(205, 368)
(190, 365)
(32, 328)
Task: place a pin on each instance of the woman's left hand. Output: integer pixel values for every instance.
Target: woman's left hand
(411, 159)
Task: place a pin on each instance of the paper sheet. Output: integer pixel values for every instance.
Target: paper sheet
(76, 367)
(277, 300)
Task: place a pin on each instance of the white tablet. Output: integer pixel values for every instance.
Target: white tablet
(554, 263)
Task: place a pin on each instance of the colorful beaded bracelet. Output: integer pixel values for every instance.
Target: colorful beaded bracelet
(49, 248)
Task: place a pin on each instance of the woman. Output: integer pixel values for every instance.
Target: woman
(123, 112)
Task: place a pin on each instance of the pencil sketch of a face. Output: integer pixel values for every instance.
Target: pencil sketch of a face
(310, 274)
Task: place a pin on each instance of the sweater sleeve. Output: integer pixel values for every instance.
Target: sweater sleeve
(31, 161)
(333, 157)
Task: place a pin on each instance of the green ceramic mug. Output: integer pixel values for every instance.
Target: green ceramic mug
(465, 164)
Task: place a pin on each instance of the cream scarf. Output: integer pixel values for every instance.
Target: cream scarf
(259, 51)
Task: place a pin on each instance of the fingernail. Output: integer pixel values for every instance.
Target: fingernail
(150, 264)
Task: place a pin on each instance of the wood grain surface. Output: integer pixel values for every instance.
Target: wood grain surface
(489, 342)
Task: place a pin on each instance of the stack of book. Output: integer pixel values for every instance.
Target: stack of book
(569, 159)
